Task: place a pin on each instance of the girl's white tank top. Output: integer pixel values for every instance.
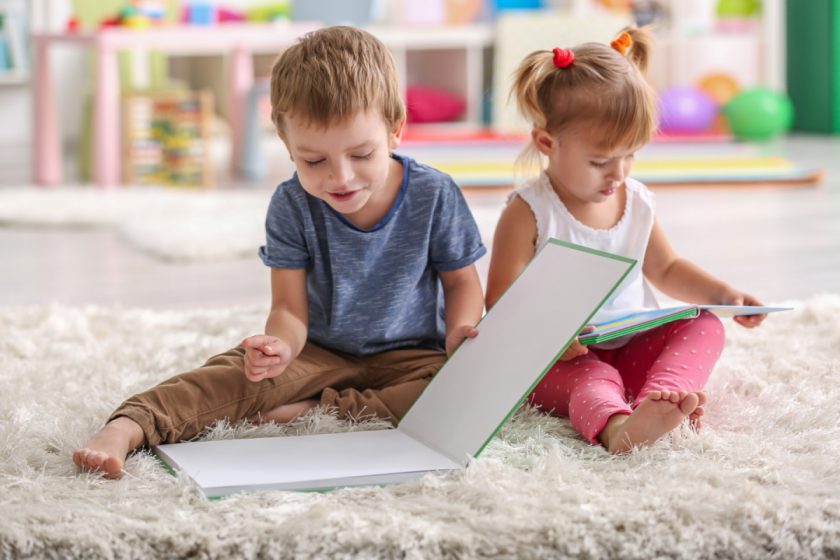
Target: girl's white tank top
(629, 238)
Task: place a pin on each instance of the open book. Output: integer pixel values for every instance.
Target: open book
(644, 320)
(474, 393)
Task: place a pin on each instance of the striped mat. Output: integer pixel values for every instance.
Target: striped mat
(491, 164)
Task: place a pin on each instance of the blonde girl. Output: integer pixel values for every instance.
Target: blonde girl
(591, 109)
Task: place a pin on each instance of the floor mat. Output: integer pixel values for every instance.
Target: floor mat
(491, 162)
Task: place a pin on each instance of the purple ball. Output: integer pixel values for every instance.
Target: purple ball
(686, 110)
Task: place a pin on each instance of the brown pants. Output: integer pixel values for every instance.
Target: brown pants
(384, 385)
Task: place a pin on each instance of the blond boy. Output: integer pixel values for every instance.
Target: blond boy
(364, 246)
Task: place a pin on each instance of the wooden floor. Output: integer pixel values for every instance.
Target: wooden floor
(776, 243)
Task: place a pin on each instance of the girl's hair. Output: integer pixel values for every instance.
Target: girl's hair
(331, 74)
(602, 89)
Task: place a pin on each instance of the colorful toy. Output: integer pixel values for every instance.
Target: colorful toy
(686, 110)
(720, 87)
(759, 114)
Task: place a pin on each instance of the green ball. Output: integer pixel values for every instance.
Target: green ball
(758, 114)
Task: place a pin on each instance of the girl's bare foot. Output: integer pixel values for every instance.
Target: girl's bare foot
(659, 413)
(107, 449)
(285, 412)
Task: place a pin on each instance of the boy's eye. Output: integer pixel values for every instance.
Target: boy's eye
(597, 163)
(364, 156)
(313, 162)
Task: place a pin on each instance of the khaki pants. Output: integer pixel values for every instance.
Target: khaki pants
(384, 385)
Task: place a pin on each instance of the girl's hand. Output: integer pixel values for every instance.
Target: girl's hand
(735, 297)
(456, 336)
(265, 356)
(576, 349)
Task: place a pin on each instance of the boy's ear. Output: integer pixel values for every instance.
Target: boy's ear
(396, 134)
(543, 140)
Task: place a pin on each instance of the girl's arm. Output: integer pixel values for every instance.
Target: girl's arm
(514, 245)
(463, 305)
(681, 279)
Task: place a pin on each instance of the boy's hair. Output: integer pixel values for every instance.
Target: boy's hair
(331, 74)
(602, 88)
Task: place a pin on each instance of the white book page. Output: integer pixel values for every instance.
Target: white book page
(302, 462)
(478, 387)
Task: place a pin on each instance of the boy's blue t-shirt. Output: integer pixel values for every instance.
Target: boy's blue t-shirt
(378, 289)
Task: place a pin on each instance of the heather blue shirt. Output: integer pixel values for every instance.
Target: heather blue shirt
(378, 289)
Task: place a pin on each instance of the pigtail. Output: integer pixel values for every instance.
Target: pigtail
(640, 45)
(527, 80)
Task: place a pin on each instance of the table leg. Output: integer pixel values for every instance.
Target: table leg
(241, 81)
(106, 116)
(46, 141)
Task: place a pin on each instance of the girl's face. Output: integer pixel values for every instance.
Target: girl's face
(348, 164)
(579, 168)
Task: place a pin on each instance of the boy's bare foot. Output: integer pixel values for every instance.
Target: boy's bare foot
(107, 449)
(285, 412)
(659, 413)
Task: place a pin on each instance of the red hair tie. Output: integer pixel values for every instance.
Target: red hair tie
(563, 58)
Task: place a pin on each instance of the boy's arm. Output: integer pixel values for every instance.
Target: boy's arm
(267, 355)
(289, 316)
(463, 304)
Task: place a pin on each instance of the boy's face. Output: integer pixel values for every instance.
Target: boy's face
(347, 164)
(580, 167)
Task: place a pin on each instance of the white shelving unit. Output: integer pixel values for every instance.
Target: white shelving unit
(451, 58)
(695, 44)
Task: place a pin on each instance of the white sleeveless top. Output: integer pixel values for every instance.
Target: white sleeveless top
(628, 238)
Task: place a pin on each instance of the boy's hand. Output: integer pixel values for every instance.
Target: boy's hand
(456, 336)
(576, 348)
(735, 297)
(265, 356)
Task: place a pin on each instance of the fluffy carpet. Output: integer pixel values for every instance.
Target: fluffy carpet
(760, 481)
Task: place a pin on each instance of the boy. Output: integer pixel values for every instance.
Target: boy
(365, 247)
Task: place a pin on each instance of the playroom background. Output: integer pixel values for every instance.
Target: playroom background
(138, 125)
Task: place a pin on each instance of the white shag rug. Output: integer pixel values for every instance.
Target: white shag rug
(171, 224)
(762, 479)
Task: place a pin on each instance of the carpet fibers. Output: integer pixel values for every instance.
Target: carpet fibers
(760, 481)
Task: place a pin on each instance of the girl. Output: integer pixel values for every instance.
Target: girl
(591, 110)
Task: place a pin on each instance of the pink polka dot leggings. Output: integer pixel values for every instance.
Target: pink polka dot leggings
(589, 389)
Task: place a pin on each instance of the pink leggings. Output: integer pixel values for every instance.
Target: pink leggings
(591, 388)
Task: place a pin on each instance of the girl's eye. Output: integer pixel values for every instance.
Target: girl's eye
(597, 163)
(312, 163)
(365, 156)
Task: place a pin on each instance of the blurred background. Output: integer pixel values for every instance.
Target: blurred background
(137, 156)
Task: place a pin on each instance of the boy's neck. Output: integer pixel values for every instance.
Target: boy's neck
(379, 205)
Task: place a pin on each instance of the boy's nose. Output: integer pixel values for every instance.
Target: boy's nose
(341, 173)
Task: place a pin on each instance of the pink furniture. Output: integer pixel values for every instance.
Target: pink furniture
(237, 41)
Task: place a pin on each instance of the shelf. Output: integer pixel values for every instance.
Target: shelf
(14, 78)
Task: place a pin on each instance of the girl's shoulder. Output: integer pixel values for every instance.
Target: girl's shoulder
(533, 190)
(639, 191)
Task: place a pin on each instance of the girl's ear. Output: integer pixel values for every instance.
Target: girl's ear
(396, 134)
(543, 140)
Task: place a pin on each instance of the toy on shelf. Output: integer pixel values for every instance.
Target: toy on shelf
(166, 138)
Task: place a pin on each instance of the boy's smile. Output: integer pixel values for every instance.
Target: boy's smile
(348, 164)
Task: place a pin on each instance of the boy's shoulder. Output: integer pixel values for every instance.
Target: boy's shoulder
(433, 180)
